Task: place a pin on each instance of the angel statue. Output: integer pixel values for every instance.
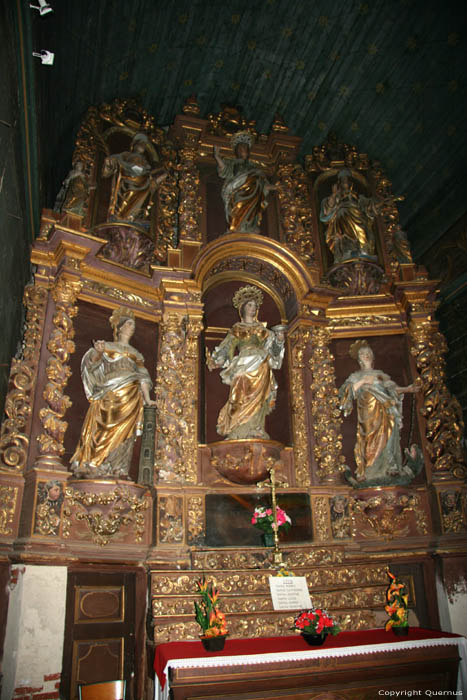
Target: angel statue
(249, 374)
(246, 187)
(379, 421)
(117, 385)
(349, 219)
(134, 182)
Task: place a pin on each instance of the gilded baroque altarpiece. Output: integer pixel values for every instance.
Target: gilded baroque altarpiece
(146, 231)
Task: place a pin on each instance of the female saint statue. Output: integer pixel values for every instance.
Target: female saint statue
(134, 182)
(116, 384)
(245, 189)
(74, 192)
(379, 421)
(249, 373)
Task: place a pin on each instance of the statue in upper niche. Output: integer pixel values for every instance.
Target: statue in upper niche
(74, 192)
(245, 188)
(134, 182)
(349, 218)
(247, 356)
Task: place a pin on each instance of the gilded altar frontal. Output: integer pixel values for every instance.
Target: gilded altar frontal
(220, 322)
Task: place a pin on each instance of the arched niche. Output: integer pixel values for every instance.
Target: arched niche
(220, 316)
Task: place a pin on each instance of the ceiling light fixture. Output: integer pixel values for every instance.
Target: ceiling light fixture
(43, 7)
(47, 57)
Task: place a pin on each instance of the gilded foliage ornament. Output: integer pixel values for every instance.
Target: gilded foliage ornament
(442, 411)
(327, 420)
(14, 437)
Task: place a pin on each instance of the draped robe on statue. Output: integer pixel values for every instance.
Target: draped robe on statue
(113, 386)
(132, 186)
(379, 415)
(244, 194)
(349, 225)
(252, 383)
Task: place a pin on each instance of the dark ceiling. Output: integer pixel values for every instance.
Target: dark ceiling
(386, 75)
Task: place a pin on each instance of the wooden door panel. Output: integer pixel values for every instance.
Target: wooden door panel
(99, 629)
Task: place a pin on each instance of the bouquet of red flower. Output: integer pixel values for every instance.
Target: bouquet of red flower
(315, 621)
(263, 519)
(397, 607)
(208, 616)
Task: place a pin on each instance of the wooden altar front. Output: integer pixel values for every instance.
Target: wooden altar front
(353, 665)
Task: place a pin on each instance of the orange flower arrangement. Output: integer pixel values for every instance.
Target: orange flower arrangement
(208, 616)
(397, 603)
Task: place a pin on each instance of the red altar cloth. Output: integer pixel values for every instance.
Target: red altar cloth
(271, 645)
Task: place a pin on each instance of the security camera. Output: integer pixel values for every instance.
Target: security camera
(47, 57)
(43, 7)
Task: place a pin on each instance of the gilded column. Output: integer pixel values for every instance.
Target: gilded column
(60, 346)
(295, 210)
(189, 209)
(14, 437)
(326, 416)
(299, 339)
(177, 403)
(442, 412)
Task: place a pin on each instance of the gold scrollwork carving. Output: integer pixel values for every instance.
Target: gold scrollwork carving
(367, 320)
(60, 346)
(259, 626)
(442, 411)
(126, 297)
(257, 582)
(452, 518)
(295, 209)
(124, 510)
(195, 518)
(325, 411)
(320, 510)
(170, 519)
(14, 440)
(190, 207)
(299, 340)
(176, 384)
(8, 498)
(387, 514)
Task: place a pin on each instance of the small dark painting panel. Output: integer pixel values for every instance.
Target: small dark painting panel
(228, 519)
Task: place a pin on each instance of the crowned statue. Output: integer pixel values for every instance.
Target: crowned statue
(246, 187)
(134, 182)
(379, 421)
(117, 385)
(247, 356)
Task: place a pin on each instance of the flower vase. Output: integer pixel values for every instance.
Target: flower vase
(314, 640)
(268, 539)
(400, 630)
(214, 643)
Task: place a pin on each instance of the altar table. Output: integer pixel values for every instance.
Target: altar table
(354, 665)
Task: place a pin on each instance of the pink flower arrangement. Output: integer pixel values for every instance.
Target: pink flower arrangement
(263, 519)
(315, 621)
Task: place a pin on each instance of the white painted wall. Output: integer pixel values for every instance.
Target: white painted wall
(35, 627)
(452, 607)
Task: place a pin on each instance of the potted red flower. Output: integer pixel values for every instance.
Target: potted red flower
(314, 625)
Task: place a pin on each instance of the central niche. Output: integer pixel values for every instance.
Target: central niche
(220, 316)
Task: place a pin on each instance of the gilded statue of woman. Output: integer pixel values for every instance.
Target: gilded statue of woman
(245, 189)
(350, 219)
(74, 192)
(249, 374)
(134, 182)
(117, 385)
(379, 420)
